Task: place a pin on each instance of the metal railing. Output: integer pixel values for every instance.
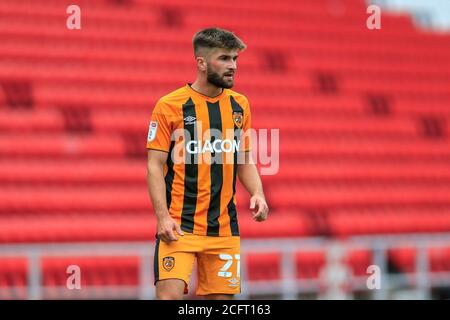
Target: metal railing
(289, 286)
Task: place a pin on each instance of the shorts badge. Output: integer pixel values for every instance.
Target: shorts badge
(168, 263)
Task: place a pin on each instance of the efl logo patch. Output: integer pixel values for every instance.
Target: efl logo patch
(168, 263)
(152, 131)
(237, 118)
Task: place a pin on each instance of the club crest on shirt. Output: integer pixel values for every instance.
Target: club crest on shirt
(153, 127)
(168, 263)
(237, 118)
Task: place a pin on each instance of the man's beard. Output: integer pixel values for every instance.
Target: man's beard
(217, 80)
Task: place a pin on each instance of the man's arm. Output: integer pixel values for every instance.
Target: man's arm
(249, 177)
(157, 191)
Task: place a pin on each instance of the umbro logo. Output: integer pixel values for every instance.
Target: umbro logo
(233, 282)
(189, 120)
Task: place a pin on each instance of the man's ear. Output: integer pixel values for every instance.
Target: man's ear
(201, 63)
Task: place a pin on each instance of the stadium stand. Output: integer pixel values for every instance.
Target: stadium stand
(363, 118)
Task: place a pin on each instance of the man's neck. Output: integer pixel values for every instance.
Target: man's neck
(206, 88)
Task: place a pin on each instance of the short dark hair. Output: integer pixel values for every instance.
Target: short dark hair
(216, 38)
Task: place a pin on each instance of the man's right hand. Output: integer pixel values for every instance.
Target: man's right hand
(165, 229)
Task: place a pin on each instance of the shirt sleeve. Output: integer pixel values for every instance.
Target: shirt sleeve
(160, 129)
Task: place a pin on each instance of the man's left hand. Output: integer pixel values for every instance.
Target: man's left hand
(259, 206)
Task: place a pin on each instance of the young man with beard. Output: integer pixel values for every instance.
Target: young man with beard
(198, 143)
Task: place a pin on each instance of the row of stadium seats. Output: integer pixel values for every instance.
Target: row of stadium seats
(51, 121)
(403, 259)
(132, 226)
(390, 46)
(53, 82)
(268, 266)
(135, 197)
(388, 221)
(299, 148)
(146, 41)
(85, 172)
(125, 61)
(128, 226)
(326, 107)
(140, 17)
